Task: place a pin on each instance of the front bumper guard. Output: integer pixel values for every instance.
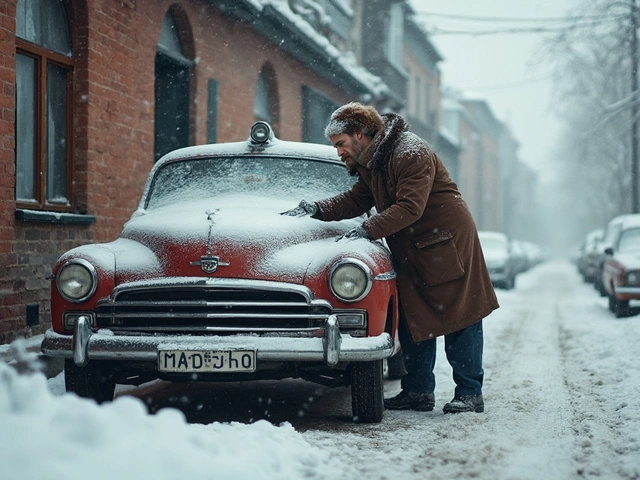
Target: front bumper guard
(333, 347)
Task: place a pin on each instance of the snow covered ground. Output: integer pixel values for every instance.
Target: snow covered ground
(561, 392)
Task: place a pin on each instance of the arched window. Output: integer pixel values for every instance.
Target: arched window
(44, 108)
(266, 104)
(172, 90)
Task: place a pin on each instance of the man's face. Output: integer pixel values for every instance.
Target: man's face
(349, 148)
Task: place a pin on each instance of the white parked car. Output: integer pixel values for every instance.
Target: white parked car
(500, 259)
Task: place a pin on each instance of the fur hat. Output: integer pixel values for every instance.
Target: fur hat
(354, 117)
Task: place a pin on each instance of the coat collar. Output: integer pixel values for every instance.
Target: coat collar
(376, 156)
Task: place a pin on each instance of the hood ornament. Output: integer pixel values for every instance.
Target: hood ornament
(209, 263)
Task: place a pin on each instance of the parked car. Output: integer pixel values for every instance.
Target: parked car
(520, 258)
(501, 262)
(534, 253)
(586, 261)
(207, 281)
(621, 270)
(609, 239)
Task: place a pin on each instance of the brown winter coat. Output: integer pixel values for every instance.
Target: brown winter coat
(442, 277)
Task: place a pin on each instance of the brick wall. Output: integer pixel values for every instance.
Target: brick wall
(114, 46)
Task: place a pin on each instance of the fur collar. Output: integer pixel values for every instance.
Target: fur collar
(377, 154)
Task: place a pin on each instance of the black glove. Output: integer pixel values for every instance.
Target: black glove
(303, 208)
(355, 233)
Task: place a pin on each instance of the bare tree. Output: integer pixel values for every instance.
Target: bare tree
(593, 62)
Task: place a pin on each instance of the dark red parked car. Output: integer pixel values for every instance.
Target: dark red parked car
(621, 268)
(207, 281)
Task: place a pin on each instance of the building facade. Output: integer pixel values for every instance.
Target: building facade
(95, 91)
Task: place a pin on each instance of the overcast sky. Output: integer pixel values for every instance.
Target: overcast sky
(508, 70)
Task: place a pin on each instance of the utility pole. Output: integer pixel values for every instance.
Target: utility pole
(634, 107)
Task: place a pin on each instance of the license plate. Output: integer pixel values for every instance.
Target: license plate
(204, 361)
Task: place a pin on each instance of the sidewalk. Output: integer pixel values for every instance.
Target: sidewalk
(24, 354)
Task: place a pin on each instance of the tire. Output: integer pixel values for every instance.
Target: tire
(395, 366)
(509, 283)
(621, 308)
(612, 303)
(92, 381)
(367, 392)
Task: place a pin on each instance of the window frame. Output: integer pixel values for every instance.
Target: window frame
(44, 57)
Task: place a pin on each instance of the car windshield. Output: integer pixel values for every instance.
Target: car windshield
(629, 240)
(273, 177)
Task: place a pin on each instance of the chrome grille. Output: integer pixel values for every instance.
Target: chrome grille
(226, 307)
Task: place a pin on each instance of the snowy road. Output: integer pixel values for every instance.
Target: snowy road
(562, 395)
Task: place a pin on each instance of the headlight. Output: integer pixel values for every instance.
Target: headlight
(632, 279)
(350, 280)
(77, 280)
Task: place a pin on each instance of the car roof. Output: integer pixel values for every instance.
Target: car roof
(631, 221)
(624, 219)
(273, 147)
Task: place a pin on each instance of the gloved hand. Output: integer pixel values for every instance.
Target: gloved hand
(355, 233)
(303, 208)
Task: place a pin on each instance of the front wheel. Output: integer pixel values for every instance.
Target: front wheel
(367, 391)
(95, 380)
(621, 308)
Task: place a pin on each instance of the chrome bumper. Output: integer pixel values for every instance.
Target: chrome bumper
(331, 348)
(627, 290)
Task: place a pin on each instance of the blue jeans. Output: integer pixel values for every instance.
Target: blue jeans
(464, 353)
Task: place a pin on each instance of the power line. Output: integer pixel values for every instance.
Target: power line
(506, 86)
(516, 19)
(461, 26)
(434, 30)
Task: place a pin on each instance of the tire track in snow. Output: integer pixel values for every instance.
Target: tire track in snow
(591, 354)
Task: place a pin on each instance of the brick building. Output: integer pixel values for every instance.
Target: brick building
(93, 91)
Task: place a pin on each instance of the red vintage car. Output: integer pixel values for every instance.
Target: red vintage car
(208, 281)
(621, 268)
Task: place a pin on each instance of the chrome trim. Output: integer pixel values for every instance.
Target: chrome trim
(386, 276)
(185, 282)
(331, 341)
(365, 268)
(261, 133)
(94, 278)
(194, 304)
(268, 349)
(628, 290)
(81, 337)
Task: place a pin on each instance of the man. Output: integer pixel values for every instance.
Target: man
(442, 278)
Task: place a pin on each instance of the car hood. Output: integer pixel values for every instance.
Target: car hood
(630, 259)
(248, 237)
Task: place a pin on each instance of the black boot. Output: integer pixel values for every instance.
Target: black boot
(465, 403)
(423, 402)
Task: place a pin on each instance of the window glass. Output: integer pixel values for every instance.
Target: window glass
(629, 240)
(25, 127)
(274, 177)
(261, 102)
(316, 113)
(395, 33)
(56, 145)
(44, 22)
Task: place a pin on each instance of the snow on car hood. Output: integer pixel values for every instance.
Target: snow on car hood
(630, 259)
(246, 232)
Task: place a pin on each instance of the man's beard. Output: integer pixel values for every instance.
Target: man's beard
(352, 160)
